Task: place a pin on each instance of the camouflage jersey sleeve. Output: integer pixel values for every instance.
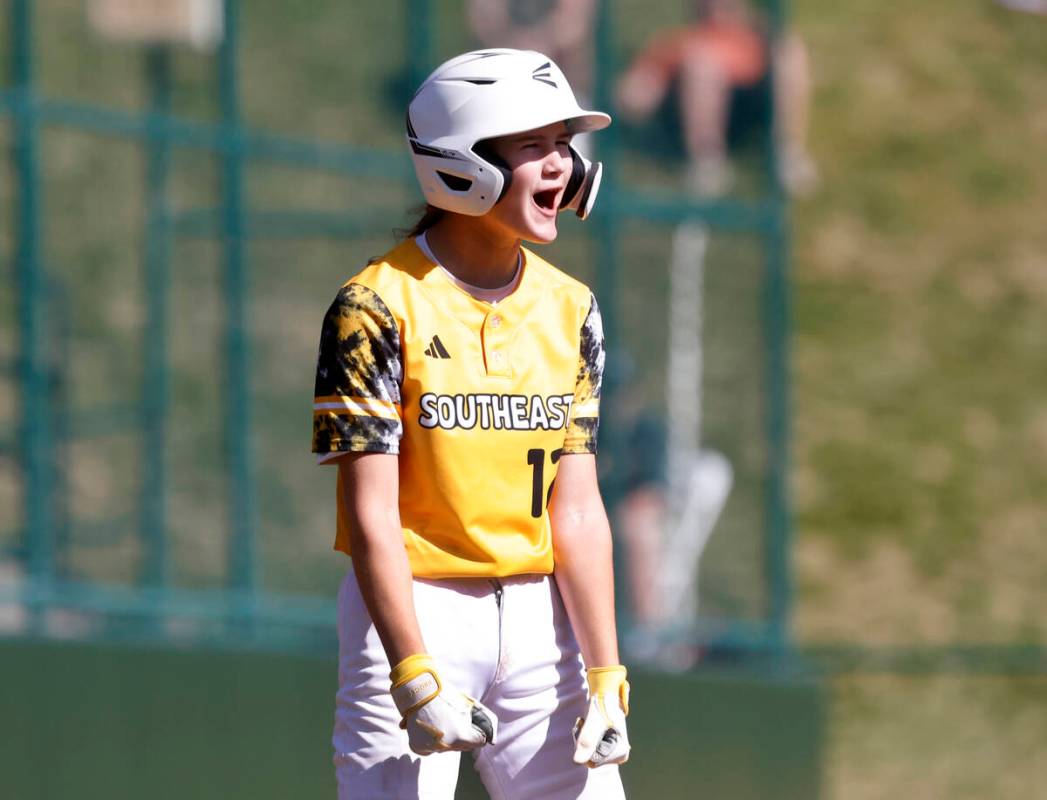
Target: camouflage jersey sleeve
(356, 403)
(585, 409)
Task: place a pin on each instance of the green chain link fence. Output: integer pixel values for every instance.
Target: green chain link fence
(176, 221)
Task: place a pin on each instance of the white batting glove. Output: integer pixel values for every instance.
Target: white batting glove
(601, 737)
(436, 716)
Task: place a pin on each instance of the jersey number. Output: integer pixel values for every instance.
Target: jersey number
(536, 458)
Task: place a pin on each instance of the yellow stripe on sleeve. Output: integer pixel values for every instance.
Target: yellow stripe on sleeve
(357, 406)
(590, 408)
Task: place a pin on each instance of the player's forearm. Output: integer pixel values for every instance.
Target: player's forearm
(585, 577)
(371, 485)
(384, 576)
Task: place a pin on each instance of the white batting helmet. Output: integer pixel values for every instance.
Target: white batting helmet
(481, 95)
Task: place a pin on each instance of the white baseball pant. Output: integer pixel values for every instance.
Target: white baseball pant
(507, 643)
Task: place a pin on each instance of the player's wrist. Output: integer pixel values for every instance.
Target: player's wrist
(415, 682)
(411, 667)
(609, 681)
(603, 680)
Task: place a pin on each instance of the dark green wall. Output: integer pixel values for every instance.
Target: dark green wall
(90, 721)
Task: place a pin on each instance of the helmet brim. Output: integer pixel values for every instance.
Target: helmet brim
(588, 121)
(521, 119)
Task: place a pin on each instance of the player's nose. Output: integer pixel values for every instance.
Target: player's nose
(555, 165)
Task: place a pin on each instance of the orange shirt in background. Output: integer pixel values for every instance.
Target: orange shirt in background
(739, 49)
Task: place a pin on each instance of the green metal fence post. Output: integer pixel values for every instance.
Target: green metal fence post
(421, 31)
(242, 546)
(608, 219)
(606, 225)
(776, 334)
(152, 491)
(777, 14)
(60, 416)
(34, 391)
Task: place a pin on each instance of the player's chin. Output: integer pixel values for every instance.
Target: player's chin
(542, 230)
(543, 238)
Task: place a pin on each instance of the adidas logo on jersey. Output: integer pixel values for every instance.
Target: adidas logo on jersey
(436, 349)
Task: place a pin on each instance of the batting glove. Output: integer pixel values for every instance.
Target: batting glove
(601, 737)
(436, 716)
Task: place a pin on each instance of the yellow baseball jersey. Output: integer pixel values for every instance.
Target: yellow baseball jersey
(479, 400)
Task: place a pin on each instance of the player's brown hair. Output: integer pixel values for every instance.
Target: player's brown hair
(430, 216)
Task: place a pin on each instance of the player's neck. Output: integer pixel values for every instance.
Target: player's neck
(475, 253)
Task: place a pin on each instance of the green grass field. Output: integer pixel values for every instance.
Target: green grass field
(920, 450)
(920, 288)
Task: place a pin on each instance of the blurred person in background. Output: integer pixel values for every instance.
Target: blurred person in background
(632, 476)
(641, 514)
(718, 71)
(562, 29)
(1028, 6)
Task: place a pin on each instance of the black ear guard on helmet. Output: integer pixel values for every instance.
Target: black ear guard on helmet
(582, 186)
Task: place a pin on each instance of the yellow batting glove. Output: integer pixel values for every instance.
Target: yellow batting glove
(436, 716)
(601, 737)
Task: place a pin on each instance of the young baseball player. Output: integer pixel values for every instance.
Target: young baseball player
(458, 390)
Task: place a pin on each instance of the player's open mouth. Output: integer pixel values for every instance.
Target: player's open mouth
(546, 199)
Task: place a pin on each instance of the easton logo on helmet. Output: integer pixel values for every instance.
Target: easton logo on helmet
(542, 75)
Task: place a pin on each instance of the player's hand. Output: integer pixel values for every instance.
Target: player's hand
(601, 737)
(436, 716)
